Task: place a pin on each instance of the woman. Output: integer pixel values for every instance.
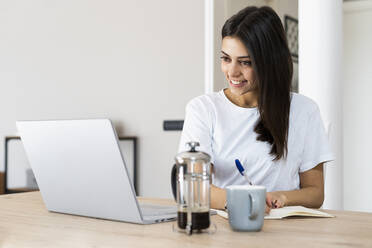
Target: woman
(278, 136)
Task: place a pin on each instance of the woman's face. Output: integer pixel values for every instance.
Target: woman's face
(237, 66)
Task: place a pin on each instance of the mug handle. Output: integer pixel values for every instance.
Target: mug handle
(254, 206)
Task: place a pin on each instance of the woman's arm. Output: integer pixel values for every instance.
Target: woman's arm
(218, 197)
(310, 194)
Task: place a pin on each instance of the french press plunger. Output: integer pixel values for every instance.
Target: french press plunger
(193, 189)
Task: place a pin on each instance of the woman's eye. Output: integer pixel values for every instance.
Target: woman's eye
(225, 59)
(246, 63)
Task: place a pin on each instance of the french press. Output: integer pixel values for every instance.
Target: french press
(193, 189)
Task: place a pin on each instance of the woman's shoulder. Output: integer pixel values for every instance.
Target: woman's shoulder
(206, 100)
(303, 104)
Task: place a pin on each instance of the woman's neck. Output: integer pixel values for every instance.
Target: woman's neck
(247, 100)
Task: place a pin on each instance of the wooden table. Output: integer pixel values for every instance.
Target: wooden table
(25, 222)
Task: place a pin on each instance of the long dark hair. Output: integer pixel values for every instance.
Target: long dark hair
(262, 33)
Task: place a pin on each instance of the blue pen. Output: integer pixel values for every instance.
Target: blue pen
(242, 171)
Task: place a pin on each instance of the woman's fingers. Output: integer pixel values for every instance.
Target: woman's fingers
(274, 204)
(274, 200)
(268, 199)
(267, 210)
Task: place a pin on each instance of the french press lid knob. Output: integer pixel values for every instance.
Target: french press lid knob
(192, 154)
(193, 145)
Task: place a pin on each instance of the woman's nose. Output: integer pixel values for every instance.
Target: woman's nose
(234, 70)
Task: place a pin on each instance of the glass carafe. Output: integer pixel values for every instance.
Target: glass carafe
(193, 189)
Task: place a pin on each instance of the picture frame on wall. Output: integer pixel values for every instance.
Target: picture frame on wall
(291, 30)
(295, 78)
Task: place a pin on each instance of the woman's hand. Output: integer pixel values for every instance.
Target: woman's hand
(275, 200)
(218, 197)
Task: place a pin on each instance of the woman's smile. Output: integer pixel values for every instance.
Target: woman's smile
(236, 83)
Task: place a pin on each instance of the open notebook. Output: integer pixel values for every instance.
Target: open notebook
(280, 213)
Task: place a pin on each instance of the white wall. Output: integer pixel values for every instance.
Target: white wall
(357, 104)
(136, 62)
(220, 16)
(285, 7)
(320, 68)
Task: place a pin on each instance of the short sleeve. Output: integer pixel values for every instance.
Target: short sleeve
(197, 127)
(316, 146)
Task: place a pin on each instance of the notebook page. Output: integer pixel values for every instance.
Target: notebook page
(280, 213)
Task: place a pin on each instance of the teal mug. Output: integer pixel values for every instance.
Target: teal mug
(246, 207)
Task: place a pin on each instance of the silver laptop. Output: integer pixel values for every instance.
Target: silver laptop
(80, 170)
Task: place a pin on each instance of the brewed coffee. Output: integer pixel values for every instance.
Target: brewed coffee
(199, 220)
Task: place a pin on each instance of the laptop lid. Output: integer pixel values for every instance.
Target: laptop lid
(79, 168)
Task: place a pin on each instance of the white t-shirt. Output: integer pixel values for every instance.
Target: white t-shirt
(226, 132)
